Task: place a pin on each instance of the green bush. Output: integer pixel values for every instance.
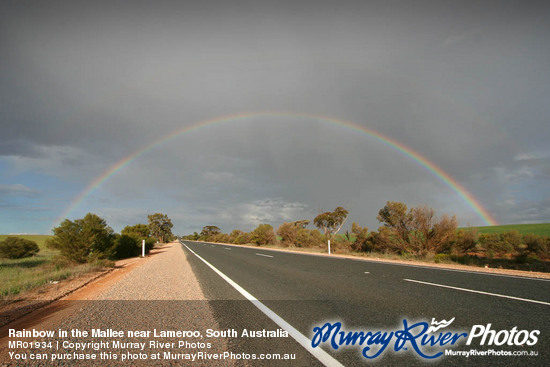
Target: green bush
(83, 240)
(310, 238)
(493, 244)
(361, 243)
(149, 244)
(263, 235)
(17, 248)
(125, 246)
(465, 241)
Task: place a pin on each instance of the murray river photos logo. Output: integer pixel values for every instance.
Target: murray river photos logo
(428, 341)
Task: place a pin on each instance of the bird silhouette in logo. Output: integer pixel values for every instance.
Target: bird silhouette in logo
(439, 325)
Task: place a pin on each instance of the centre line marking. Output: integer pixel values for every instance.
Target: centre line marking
(367, 272)
(480, 292)
(263, 255)
(318, 353)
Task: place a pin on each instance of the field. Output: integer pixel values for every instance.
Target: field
(38, 238)
(19, 275)
(542, 229)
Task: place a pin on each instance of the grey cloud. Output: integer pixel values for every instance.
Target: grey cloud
(465, 84)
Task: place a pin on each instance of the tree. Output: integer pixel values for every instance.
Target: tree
(209, 232)
(291, 232)
(17, 248)
(331, 222)
(417, 231)
(263, 235)
(491, 243)
(361, 242)
(537, 245)
(84, 239)
(394, 215)
(138, 231)
(466, 240)
(512, 240)
(125, 246)
(160, 226)
(239, 237)
(429, 234)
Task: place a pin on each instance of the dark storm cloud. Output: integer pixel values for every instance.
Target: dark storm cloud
(464, 83)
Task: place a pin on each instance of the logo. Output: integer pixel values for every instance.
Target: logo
(428, 341)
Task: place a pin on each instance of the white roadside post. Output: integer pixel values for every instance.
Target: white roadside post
(143, 248)
(329, 247)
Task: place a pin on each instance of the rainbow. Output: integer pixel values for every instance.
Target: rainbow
(462, 192)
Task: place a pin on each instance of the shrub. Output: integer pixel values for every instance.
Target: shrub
(537, 245)
(17, 248)
(137, 231)
(242, 238)
(289, 234)
(493, 245)
(263, 235)
(511, 240)
(361, 243)
(83, 240)
(442, 258)
(221, 238)
(296, 234)
(310, 238)
(125, 246)
(465, 241)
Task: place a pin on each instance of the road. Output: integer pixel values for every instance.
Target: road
(307, 291)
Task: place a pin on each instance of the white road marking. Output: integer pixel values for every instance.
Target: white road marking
(458, 270)
(480, 292)
(367, 272)
(263, 255)
(318, 353)
(227, 248)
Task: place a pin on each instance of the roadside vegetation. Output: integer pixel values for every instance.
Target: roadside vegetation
(77, 247)
(406, 234)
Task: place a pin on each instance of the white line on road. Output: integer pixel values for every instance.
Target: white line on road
(318, 353)
(367, 272)
(480, 292)
(263, 255)
(227, 248)
(526, 277)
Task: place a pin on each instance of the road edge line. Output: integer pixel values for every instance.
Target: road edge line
(480, 292)
(318, 353)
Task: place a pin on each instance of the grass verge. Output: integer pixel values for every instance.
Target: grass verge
(19, 275)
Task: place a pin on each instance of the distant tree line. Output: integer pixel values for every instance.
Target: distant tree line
(415, 232)
(90, 238)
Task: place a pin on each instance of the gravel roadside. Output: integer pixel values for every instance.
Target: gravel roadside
(160, 295)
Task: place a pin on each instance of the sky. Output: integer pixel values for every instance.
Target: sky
(464, 85)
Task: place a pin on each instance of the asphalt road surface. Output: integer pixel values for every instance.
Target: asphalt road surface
(302, 292)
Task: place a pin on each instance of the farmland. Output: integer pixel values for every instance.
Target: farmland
(541, 229)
